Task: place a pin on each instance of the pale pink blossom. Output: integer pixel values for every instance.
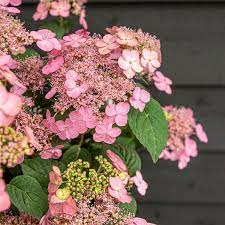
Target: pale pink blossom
(46, 40)
(150, 60)
(74, 90)
(118, 191)
(53, 65)
(74, 40)
(11, 10)
(104, 132)
(52, 153)
(11, 2)
(66, 130)
(60, 8)
(130, 63)
(32, 139)
(60, 207)
(119, 112)
(139, 99)
(107, 44)
(191, 147)
(41, 11)
(83, 119)
(142, 186)
(126, 38)
(51, 93)
(4, 197)
(50, 122)
(162, 83)
(117, 162)
(55, 180)
(10, 106)
(82, 19)
(201, 133)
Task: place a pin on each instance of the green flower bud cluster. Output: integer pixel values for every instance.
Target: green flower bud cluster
(88, 183)
(13, 146)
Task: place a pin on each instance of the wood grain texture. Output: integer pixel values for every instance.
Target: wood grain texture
(183, 214)
(192, 35)
(201, 182)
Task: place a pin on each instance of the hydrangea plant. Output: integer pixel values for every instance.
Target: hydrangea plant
(71, 122)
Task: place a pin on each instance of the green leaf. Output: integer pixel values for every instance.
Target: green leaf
(27, 195)
(74, 153)
(54, 27)
(71, 155)
(39, 169)
(129, 208)
(29, 53)
(150, 127)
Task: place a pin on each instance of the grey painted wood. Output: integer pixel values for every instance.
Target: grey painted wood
(183, 214)
(202, 182)
(192, 35)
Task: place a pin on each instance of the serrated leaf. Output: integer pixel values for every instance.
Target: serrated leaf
(39, 169)
(75, 152)
(129, 208)
(150, 127)
(71, 154)
(27, 195)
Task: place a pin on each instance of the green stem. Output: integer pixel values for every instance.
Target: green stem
(81, 140)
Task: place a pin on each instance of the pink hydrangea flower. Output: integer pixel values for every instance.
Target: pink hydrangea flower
(66, 130)
(55, 180)
(150, 60)
(117, 190)
(11, 2)
(83, 119)
(53, 153)
(4, 197)
(119, 112)
(74, 40)
(130, 63)
(51, 93)
(162, 83)
(127, 38)
(82, 19)
(32, 139)
(50, 123)
(139, 99)
(46, 40)
(104, 132)
(191, 147)
(117, 162)
(10, 106)
(61, 8)
(11, 10)
(142, 186)
(201, 133)
(107, 44)
(53, 65)
(60, 207)
(74, 90)
(41, 11)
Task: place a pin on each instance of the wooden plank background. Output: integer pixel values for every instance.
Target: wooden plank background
(192, 34)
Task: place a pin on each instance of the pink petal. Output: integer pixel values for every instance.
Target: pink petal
(201, 133)
(114, 132)
(121, 120)
(111, 110)
(123, 108)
